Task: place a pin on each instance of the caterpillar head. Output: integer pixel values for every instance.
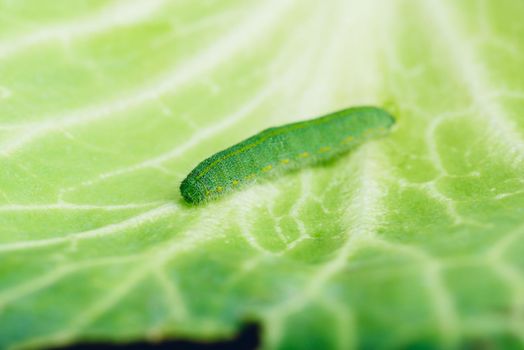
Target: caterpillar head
(192, 190)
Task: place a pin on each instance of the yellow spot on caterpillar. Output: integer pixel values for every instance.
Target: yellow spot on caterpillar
(250, 176)
(220, 188)
(208, 193)
(267, 168)
(303, 155)
(324, 149)
(284, 161)
(235, 182)
(348, 139)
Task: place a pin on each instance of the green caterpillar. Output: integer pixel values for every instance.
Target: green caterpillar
(283, 148)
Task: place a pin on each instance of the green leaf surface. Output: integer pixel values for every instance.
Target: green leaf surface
(413, 240)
